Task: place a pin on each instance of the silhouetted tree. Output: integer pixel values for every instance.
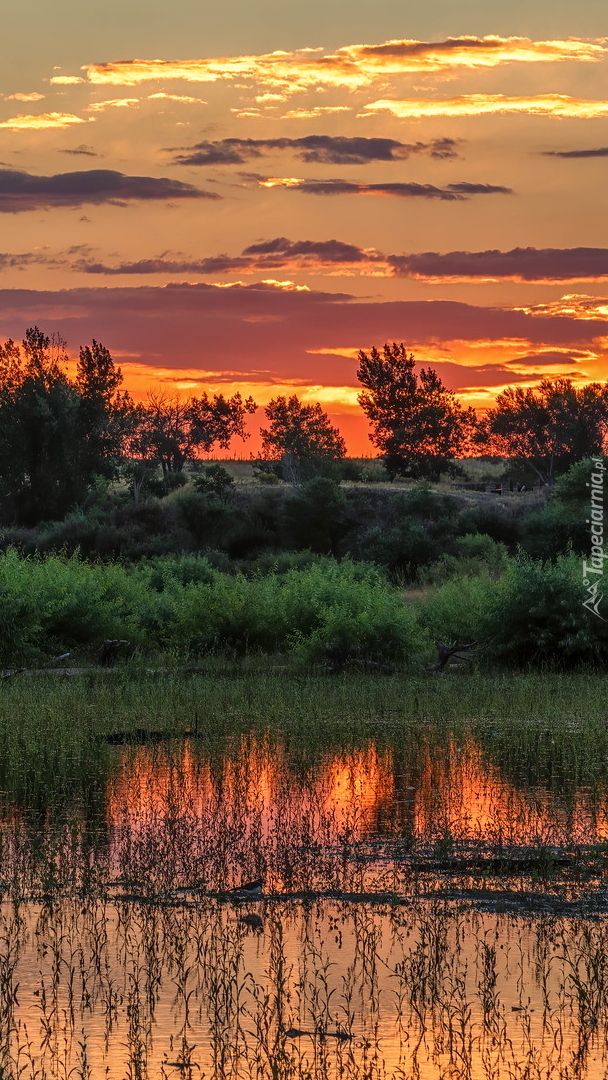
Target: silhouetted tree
(548, 427)
(417, 423)
(301, 438)
(56, 435)
(170, 431)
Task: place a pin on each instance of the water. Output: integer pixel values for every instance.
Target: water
(426, 913)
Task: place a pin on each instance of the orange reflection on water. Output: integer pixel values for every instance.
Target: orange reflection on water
(257, 802)
(254, 780)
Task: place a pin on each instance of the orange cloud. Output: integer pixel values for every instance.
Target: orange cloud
(488, 104)
(177, 97)
(573, 306)
(43, 121)
(66, 80)
(116, 103)
(311, 114)
(352, 66)
(34, 96)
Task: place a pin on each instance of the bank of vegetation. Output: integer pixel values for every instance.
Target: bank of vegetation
(111, 526)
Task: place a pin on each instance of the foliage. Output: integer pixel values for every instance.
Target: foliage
(548, 427)
(56, 435)
(472, 555)
(537, 616)
(170, 431)
(314, 516)
(213, 480)
(417, 423)
(533, 616)
(301, 437)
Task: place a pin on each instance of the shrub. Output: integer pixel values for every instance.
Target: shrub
(314, 516)
(537, 616)
(468, 556)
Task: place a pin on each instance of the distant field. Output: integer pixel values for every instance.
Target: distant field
(477, 472)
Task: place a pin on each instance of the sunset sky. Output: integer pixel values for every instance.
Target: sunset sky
(240, 196)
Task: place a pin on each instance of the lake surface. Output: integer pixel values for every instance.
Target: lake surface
(428, 911)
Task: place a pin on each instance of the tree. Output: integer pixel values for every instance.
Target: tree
(169, 431)
(56, 435)
(417, 423)
(301, 438)
(547, 427)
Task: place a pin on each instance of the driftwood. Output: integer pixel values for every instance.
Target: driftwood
(449, 652)
(109, 651)
(9, 674)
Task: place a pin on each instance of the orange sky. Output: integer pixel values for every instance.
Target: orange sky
(245, 205)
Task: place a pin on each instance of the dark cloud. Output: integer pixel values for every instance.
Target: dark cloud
(276, 329)
(451, 193)
(523, 264)
(21, 191)
(19, 261)
(551, 356)
(264, 256)
(330, 251)
(280, 253)
(600, 151)
(325, 149)
(86, 151)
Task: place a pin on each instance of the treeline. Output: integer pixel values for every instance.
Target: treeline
(61, 438)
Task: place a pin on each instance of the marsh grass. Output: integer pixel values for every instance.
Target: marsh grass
(399, 935)
(328, 990)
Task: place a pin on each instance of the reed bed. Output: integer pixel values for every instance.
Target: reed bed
(434, 855)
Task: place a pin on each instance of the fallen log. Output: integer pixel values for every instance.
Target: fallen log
(450, 652)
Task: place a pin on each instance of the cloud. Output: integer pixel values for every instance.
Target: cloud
(488, 104)
(325, 149)
(21, 260)
(452, 192)
(313, 113)
(266, 256)
(116, 103)
(600, 151)
(21, 191)
(66, 80)
(352, 66)
(43, 121)
(34, 96)
(83, 149)
(553, 357)
(274, 328)
(182, 98)
(547, 265)
(519, 264)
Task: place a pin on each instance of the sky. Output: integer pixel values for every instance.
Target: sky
(240, 197)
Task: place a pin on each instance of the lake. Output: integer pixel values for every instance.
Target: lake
(432, 908)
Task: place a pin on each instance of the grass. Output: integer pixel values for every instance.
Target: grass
(462, 966)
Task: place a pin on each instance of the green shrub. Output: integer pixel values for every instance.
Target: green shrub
(537, 616)
(468, 556)
(458, 610)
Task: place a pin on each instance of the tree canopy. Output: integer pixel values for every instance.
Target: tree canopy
(548, 427)
(417, 423)
(301, 437)
(56, 435)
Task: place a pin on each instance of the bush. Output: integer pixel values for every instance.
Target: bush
(533, 616)
(472, 555)
(537, 616)
(315, 516)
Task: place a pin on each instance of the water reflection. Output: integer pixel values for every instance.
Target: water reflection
(254, 812)
(121, 954)
(181, 814)
(327, 989)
